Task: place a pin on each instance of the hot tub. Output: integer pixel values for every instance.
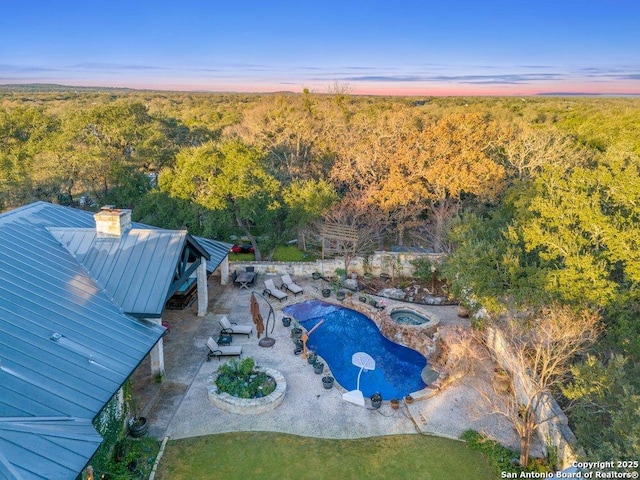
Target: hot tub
(407, 316)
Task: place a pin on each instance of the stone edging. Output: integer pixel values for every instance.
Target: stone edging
(248, 406)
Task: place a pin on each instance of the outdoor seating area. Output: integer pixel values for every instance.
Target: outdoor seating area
(308, 408)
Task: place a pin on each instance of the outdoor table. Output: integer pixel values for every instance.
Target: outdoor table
(225, 340)
(244, 279)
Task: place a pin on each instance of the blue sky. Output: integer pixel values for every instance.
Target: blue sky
(419, 47)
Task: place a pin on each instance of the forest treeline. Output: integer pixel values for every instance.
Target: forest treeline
(535, 200)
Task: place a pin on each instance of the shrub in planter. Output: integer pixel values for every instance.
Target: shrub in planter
(408, 399)
(327, 381)
(326, 292)
(311, 357)
(286, 321)
(318, 367)
(241, 379)
(376, 400)
(395, 403)
(316, 275)
(297, 350)
(341, 294)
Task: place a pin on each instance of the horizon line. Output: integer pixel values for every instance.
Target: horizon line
(353, 92)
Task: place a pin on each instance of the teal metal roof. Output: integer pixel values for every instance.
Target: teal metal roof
(135, 270)
(66, 345)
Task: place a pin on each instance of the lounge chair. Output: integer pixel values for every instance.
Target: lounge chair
(216, 350)
(229, 328)
(271, 290)
(290, 285)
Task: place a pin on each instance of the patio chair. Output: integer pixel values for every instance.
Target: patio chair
(229, 328)
(271, 290)
(290, 285)
(216, 350)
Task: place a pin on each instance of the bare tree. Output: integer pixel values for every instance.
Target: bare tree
(538, 354)
(352, 212)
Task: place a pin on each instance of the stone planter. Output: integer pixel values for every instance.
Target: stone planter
(316, 275)
(408, 399)
(327, 381)
(286, 321)
(318, 368)
(340, 295)
(311, 358)
(326, 292)
(395, 403)
(248, 406)
(376, 400)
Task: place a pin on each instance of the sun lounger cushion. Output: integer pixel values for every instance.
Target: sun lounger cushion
(216, 350)
(271, 290)
(231, 327)
(290, 285)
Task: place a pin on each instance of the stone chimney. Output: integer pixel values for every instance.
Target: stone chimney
(112, 222)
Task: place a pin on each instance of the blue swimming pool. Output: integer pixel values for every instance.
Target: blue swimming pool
(344, 332)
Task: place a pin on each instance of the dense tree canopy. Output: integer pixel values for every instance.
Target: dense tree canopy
(536, 200)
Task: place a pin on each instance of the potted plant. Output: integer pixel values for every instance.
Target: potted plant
(341, 294)
(395, 403)
(311, 357)
(286, 321)
(376, 400)
(297, 350)
(316, 275)
(296, 333)
(138, 426)
(326, 292)
(408, 399)
(327, 381)
(318, 367)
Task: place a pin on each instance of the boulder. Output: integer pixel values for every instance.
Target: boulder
(394, 293)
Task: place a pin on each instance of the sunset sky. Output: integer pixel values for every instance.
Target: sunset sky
(399, 47)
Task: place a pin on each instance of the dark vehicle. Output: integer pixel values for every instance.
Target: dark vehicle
(244, 248)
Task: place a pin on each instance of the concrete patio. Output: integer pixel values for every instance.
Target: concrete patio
(178, 407)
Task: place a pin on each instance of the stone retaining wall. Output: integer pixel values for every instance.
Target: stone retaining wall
(555, 431)
(391, 263)
(248, 406)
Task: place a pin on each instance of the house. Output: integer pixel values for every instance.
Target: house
(81, 304)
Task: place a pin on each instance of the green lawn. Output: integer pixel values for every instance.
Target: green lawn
(283, 253)
(263, 455)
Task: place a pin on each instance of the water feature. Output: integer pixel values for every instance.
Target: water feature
(345, 332)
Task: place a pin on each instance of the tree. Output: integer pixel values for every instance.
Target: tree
(307, 200)
(460, 154)
(540, 353)
(229, 176)
(355, 215)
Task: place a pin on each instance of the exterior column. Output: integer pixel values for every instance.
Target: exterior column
(224, 271)
(157, 353)
(203, 293)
